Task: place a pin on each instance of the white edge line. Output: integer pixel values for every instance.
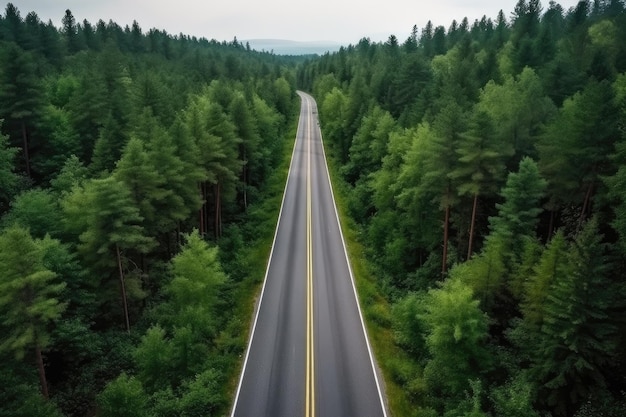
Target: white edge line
(267, 270)
(356, 296)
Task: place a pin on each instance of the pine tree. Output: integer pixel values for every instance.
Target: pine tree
(518, 215)
(104, 215)
(552, 267)
(8, 178)
(20, 99)
(575, 146)
(29, 301)
(162, 155)
(480, 164)
(579, 335)
(108, 146)
(70, 31)
(145, 184)
(441, 160)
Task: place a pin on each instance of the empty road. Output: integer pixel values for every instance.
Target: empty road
(308, 353)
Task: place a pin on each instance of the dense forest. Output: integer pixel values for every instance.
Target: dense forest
(485, 167)
(129, 162)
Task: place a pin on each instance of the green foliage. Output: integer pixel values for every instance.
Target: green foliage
(153, 357)
(408, 326)
(202, 396)
(8, 178)
(574, 148)
(578, 336)
(551, 267)
(73, 173)
(104, 215)
(123, 396)
(119, 142)
(147, 188)
(419, 128)
(369, 144)
(455, 337)
(195, 287)
(38, 211)
(29, 302)
(518, 214)
(20, 399)
(514, 399)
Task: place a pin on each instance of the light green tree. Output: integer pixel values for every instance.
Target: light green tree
(456, 334)
(29, 298)
(103, 214)
(38, 211)
(123, 396)
(136, 170)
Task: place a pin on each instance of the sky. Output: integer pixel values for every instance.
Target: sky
(342, 21)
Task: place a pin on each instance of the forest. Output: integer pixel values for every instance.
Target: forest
(485, 168)
(132, 164)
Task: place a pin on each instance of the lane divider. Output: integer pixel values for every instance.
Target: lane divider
(310, 345)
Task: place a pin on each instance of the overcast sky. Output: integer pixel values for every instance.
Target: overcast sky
(344, 21)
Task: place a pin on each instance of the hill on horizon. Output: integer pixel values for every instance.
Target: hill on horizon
(289, 47)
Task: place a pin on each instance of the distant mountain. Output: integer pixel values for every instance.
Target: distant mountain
(287, 47)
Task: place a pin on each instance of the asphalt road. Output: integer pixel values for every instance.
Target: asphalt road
(308, 353)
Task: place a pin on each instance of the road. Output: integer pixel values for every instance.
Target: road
(308, 353)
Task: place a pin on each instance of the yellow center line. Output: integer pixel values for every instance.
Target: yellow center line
(310, 354)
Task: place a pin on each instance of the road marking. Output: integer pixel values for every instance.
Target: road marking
(310, 346)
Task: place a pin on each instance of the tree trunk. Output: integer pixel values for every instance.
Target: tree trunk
(217, 211)
(202, 216)
(26, 153)
(123, 287)
(445, 241)
(551, 225)
(471, 233)
(586, 204)
(42, 372)
(245, 180)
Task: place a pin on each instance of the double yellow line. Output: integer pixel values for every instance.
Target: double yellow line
(310, 345)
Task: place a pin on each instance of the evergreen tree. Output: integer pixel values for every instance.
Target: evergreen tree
(574, 149)
(123, 396)
(579, 335)
(441, 161)
(12, 27)
(480, 164)
(518, 215)
(70, 31)
(552, 267)
(61, 142)
(20, 99)
(8, 178)
(146, 186)
(38, 211)
(29, 298)
(104, 215)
